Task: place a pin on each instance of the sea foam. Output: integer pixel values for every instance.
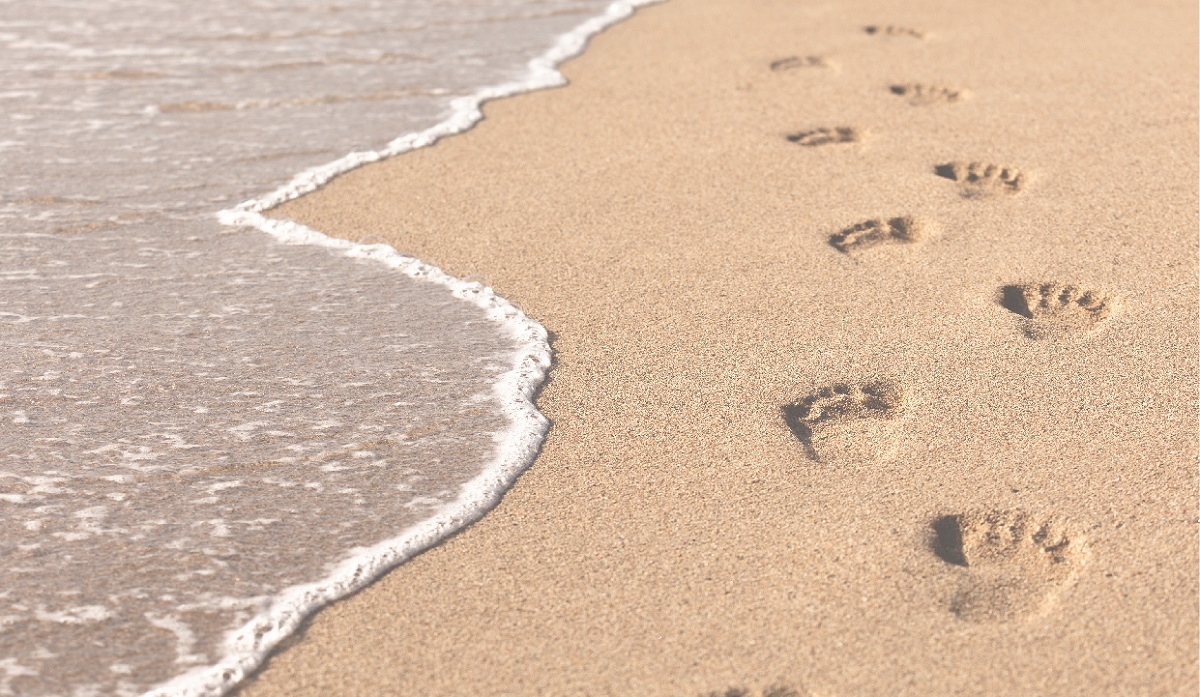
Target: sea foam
(182, 405)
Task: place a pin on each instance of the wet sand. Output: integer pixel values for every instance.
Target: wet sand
(876, 360)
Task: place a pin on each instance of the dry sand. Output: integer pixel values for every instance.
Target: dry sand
(958, 457)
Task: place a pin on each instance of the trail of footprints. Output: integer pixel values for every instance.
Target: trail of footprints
(1011, 566)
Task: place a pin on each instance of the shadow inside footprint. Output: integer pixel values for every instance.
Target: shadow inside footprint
(946, 171)
(793, 415)
(1012, 298)
(947, 540)
(1014, 565)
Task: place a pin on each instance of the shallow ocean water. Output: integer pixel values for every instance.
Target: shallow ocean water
(206, 432)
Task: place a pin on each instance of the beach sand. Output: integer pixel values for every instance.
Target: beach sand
(905, 406)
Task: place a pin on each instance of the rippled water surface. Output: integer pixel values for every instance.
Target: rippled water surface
(196, 419)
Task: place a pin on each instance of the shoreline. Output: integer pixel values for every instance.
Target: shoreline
(516, 448)
(200, 451)
(668, 217)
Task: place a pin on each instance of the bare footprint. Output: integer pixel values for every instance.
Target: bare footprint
(849, 423)
(919, 94)
(982, 178)
(795, 62)
(772, 691)
(827, 136)
(894, 30)
(871, 233)
(1057, 311)
(1014, 565)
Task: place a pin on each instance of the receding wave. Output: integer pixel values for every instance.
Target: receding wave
(212, 432)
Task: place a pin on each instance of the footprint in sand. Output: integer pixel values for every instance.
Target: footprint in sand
(796, 62)
(1057, 311)
(849, 423)
(773, 691)
(872, 233)
(982, 178)
(1013, 565)
(894, 30)
(827, 136)
(919, 94)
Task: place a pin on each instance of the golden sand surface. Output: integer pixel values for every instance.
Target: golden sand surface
(876, 336)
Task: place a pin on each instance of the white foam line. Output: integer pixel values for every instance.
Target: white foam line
(247, 647)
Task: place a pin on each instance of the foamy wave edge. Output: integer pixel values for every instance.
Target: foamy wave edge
(247, 647)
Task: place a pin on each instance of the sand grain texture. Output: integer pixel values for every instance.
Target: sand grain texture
(675, 537)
